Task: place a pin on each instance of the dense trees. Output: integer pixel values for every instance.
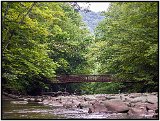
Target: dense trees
(43, 39)
(129, 35)
(40, 40)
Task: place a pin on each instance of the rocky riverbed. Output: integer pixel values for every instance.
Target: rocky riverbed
(99, 106)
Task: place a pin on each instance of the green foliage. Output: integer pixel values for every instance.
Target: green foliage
(24, 46)
(102, 87)
(130, 36)
(40, 40)
(69, 44)
(43, 39)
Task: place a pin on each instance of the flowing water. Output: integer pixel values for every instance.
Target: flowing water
(27, 111)
(33, 110)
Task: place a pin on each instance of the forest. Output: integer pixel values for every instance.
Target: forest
(43, 39)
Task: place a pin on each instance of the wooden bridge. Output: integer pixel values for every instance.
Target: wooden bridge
(83, 78)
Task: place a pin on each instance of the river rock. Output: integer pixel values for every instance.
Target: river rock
(38, 99)
(128, 104)
(85, 104)
(138, 99)
(69, 104)
(125, 99)
(152, 106)
(152, 99)
(154, 93)
(150, 112)
(89, 98)
(25, 99)
(97, 107)
(19, 102)
(80, 106)
(101, 97)
(137, 111)
(32, 99)
(116, 106)
(156, 115)
(76, 102)
(134, 95)
(125, 94)
(112, 97)
(46, 101)
(139, 105)
(55, 104)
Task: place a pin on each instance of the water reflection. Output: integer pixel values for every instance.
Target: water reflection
(27, 111)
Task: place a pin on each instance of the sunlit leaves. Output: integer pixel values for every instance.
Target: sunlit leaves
(25, 51)
(40, 40)
(130, 31)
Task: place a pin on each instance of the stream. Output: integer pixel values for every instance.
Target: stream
(138, 106)
(26, 111)
(34, 110)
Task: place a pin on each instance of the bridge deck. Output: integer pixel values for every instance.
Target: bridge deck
(83, 78)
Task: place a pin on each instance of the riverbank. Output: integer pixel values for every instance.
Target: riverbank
(98, 106)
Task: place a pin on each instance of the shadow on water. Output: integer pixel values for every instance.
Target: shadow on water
(27, 111)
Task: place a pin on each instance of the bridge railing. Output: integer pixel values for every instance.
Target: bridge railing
(84, 78)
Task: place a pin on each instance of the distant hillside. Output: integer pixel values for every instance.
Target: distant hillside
(91, 19)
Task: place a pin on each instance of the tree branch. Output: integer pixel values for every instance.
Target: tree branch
(27, 12)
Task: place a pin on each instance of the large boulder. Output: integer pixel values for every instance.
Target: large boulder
(152, 99)
(97, 107)
(116, 106)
